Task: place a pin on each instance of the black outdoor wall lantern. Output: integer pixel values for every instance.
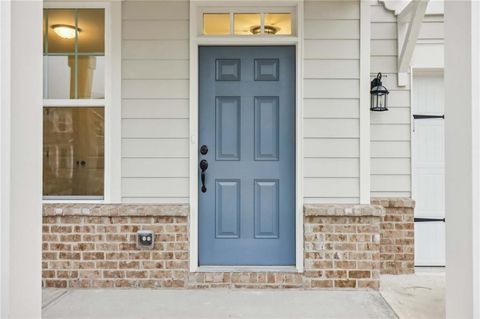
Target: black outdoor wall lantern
(378, 94)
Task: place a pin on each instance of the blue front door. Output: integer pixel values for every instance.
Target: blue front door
(247, 139)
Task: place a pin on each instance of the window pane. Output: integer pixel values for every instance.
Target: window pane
(216, 23)
(73, 151)
(61, 31)
(91, 38)
(74, 47)
(91, 73)
(278, 23)
(58, 76)
(247, 23)
(97, 90)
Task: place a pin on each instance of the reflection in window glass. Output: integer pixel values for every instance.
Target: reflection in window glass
(91, 38)
(278, 23)
(58, 75)
(73, 151)
(59, 21)
(74, 43)
(216, 24)
(247, 23)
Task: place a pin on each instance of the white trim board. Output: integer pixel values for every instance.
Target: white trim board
(5, 40)
(365, 155)
(195, 42)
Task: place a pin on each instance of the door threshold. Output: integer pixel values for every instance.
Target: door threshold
(246, 269)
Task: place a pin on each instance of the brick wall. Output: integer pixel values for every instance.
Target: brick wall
(88, 246)
(342, 246)
(397, 235)
(92, 246)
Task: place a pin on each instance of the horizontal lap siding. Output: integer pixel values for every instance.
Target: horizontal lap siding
(155, 86)
(155, 116)
(430, 43)
(331, 101)
(390, 131)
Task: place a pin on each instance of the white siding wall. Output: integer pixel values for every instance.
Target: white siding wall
(155, 132)
(430, 45)
(331, 105)
(390, 131)
(155, 101)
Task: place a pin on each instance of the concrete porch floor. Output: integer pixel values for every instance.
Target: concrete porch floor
(214, 303)
(407, 296)
(419, 296)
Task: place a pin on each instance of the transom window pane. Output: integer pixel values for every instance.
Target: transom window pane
(247, 23)
(244, 24)
(74, 50)
(73, 151)
(216, 24)
(278, 23)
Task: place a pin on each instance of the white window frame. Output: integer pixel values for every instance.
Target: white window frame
(262, 10)
(197, 8)
(111, 102)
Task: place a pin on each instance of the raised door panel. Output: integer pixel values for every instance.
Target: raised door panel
(266, 208)
(227, 70)
(266, 69)
(227, 209)
(227, 132)
(266, 128)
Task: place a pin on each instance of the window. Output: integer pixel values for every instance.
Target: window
(74, 103)
(247, 23)
(216, 23)
(244, 24)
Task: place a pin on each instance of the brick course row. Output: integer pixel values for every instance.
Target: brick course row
(94, 246)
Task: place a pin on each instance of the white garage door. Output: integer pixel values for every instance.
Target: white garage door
(428, 169)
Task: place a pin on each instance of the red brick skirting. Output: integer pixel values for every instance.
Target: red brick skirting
(342, 246)
(93, 246)
(86, 246)
(397, 236)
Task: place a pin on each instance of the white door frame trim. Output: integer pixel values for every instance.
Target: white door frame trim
(195, 42)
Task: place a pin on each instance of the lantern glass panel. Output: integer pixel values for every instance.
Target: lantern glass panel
(379, 98)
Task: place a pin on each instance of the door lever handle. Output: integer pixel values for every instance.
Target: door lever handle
(203, 167)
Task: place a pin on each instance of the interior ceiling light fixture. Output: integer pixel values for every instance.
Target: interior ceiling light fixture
(65, 31)
(267, 29)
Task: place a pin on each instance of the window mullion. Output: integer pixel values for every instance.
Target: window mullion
(76, 56)
(262, 23)
(74, 102)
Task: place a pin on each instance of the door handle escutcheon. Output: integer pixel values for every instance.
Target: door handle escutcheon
(203, 167)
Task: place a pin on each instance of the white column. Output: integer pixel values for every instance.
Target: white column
(365, 101)
(21, 158)
(462, 134)
(4, 153)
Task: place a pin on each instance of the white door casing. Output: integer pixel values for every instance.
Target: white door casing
(197, 8)
(428, 168)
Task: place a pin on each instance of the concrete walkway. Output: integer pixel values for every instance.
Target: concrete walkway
(419, 296)
(214, 303)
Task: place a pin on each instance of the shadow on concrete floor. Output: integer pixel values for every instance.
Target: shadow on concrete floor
(214, 303)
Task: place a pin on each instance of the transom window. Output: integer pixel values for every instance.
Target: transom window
(247, 23)
(74, 103)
